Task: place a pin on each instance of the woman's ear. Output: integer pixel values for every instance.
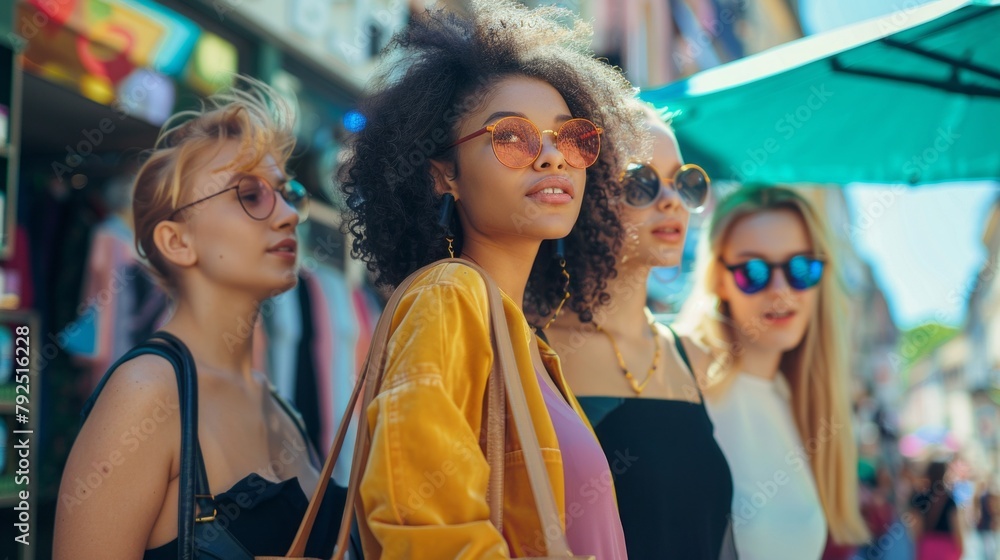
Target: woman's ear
(173, 240)
(444, 178)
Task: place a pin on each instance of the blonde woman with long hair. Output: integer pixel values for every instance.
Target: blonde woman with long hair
(763, 330)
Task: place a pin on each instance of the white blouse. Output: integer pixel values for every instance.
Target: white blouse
(777, 514)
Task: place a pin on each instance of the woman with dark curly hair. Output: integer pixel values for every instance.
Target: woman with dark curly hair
(481, 142)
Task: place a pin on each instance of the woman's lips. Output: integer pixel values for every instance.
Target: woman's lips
(669, 233)
(552, 190)
(286, 249)
(779, 319)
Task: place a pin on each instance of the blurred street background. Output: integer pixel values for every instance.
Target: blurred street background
(885, 113)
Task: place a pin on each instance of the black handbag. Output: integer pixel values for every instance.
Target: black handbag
(200, 536)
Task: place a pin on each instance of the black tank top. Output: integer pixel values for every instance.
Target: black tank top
(264, 517)
(674, 486)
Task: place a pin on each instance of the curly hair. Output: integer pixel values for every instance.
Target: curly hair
(441, 68)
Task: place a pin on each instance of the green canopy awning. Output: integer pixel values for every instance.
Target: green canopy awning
(913, 97)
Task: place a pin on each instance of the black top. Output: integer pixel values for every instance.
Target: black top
(674, 487)
(936, 516)
(264, 517)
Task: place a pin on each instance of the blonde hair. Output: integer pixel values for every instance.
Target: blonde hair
(250, 111)
(815, 369)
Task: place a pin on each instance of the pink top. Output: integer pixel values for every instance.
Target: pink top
(592, 523)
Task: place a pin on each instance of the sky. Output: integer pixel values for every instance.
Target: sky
(924, 245)
(926, 248)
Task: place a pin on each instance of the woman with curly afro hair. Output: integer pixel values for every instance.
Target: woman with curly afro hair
(483, 140)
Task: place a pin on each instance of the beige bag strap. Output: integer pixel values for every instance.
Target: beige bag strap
(496, 436)
(498, 391)
(379, 340)
(538, 477)
(371, 378)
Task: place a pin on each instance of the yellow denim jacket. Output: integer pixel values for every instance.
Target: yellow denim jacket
(424, 489)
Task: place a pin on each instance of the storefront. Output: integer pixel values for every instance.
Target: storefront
(84, 88)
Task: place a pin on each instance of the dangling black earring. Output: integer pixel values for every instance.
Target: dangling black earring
(560, 254)
(444, 220)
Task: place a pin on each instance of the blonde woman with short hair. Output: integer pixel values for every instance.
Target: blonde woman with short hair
(215, 216)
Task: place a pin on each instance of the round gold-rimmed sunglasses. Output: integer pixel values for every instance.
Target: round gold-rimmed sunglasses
(258, 198)
(641, 185)
(517, 142)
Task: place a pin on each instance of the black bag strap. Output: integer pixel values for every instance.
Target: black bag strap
(192, 464)
(202, 493)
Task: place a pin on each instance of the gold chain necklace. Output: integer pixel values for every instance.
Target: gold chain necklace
(636, 386)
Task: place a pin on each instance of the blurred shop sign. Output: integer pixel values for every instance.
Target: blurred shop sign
(129, 54)
(342, 36)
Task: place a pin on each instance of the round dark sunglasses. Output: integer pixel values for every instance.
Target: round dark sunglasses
(258, 198)
(801, 273)
(641, 184)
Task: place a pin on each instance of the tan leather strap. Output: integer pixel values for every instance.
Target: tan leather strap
(371, 377)
(298, 547)
(305, 528)
(541, 486)
(496, 436)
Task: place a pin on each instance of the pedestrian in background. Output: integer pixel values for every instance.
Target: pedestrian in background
(938, 524)
(988, 523)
